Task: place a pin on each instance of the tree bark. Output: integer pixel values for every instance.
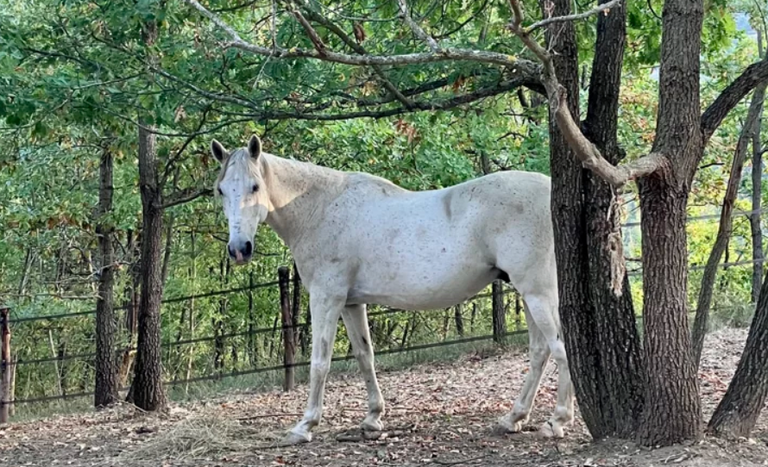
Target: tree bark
(726, 223)
(672, 410)
(458, 319)
(289, 341)
(106, 390)
(147, 390)
(569, 224)
(739, 409)
(499, 317)
(611, 383)
(757, 190)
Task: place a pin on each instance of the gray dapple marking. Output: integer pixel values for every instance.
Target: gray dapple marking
(359, 239)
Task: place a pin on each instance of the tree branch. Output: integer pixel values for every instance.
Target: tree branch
(731, 96)
(559, 19)
(417, 30)
(313, 36)
(446, 54)
(185, 196)
(358, 49)
(587, 152)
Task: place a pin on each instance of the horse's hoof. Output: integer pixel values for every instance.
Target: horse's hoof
(550, 430)
(293, 438)
(371, 425)
(505, 426)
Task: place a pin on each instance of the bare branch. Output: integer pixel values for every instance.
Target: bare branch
(417, 30)
(559, 19)
(446, 54)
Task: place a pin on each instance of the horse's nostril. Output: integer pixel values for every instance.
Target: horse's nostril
(248, 249)
(231, 251)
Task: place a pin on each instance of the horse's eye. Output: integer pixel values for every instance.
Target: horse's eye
(255, 188)
(220, 192)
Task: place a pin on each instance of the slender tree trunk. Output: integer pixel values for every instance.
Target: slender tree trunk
(296, 305)
(25, 272)
(499, 318)
(739, 409)
(56, 367)
(106, 391)
(458, 319)
(147, 390)
(757, 190)
(726, 223)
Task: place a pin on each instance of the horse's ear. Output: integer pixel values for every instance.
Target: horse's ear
(254, 147)
(218, 151)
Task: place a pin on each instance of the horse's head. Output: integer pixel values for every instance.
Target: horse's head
(240, 186)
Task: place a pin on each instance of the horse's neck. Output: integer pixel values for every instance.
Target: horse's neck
(297, 191)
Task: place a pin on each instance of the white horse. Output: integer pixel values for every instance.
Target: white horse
(360, 239)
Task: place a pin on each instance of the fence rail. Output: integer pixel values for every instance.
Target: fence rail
(273, 368)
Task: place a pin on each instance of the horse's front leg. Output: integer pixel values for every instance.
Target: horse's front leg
(356, 322)
(325, 318)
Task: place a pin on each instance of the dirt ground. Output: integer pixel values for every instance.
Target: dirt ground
(438, 414)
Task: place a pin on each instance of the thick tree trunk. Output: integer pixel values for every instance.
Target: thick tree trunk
(612, 392)
(106, 391)
(147, 390)
(672, 410)
(672, 406)
(737, 413)
(598, 327)
(726, 223)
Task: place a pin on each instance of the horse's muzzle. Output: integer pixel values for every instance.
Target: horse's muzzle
(242, 253)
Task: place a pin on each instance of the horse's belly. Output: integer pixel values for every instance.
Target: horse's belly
(425, 288)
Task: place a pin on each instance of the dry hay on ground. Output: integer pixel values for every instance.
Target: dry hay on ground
(438, 414)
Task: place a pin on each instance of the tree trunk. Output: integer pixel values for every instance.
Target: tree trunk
(737, 413)
(56, 366)
(458, 319)
(580, 237)
(672, 410)
(167, 250)
(611, 393)
(726, 223)
(106, 390)
(498, 312)
(672, 405)
(757, 190)
(147, 390)
(289, 341)
(296, 304)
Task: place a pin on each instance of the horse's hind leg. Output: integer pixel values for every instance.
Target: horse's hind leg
(539, 351)
(356, 322)
(543, 311)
